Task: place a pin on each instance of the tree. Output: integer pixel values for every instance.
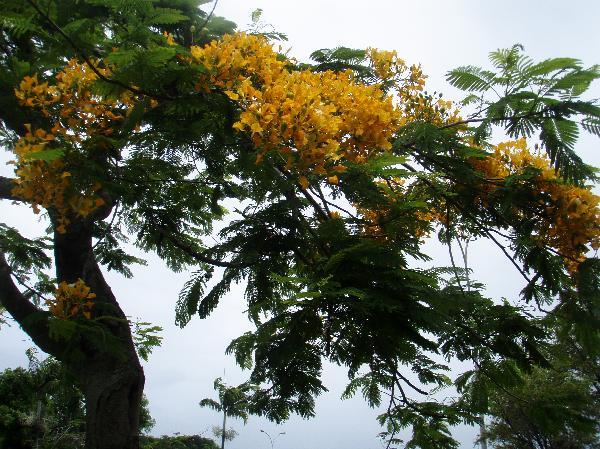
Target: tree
(554, 408)
(94, 341)
(177, 442)
(234, 402)
(42, 407)
(550, 411)
(340, 168)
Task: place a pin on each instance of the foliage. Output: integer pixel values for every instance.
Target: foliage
(552, 408)
(177, 442)
(532, 96)
(42, 406)
(145, 338)
(143, 119)
(227, 435)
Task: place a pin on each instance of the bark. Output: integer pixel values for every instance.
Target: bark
(223, 429)
(113, 394)
(6, 186)
(112, 379)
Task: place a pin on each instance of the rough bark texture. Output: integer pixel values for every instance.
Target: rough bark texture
(113, 396)
(112, 381)
(111, 377)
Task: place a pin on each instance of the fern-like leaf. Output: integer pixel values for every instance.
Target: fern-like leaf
(470, 78)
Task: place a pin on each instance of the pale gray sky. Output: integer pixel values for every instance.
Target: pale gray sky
(440, 35)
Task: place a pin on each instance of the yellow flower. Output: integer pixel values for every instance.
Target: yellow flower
(72, 301)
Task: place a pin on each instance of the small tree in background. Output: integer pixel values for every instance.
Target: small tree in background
(553, 408)
(234, 402)
(177, 442)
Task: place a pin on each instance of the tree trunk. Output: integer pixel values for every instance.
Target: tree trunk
(223, 429)
(113, 396)
(111, 378)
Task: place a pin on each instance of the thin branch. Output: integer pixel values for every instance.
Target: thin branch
(324, 215)
(498, 119)
(202, 257)
(350, 214)
(410, 384)
(483, 228)
(481, 369)
(24, 284)
(503, 249)
(322, 197)
(108, 228)
(89, 62)
(212, 11)
(391, 404)
(412, 406)
(449, 243)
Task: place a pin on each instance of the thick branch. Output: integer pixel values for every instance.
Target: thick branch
(31, 319)
(6, 186)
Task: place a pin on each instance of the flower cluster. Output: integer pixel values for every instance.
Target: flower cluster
(72, 301)
(408, 83)
(313, 120)
(76, 114)
(570, 215)
(46, 183)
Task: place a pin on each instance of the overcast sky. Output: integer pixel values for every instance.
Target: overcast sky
(440, 35)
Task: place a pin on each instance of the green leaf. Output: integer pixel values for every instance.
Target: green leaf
(591, 125)
(166, 16)
(552, 65)
(470, 78)
(134, 116)
(45, 155)
(575, 83)
(256, 14)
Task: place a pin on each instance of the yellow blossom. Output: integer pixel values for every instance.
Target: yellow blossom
(72, 301)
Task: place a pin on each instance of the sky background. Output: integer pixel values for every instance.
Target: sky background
(440, 35)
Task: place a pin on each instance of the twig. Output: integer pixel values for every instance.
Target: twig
(209, 15)
(410, 384)
(449, 243)
(193, 253)
(88, 61)
(497, 119)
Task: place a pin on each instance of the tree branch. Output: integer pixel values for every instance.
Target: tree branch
(495, 120)
(201, 257)
(410, 384)
(476, 221)
(209, 16)
(6, 186)
(89, 62)
(32, 319)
